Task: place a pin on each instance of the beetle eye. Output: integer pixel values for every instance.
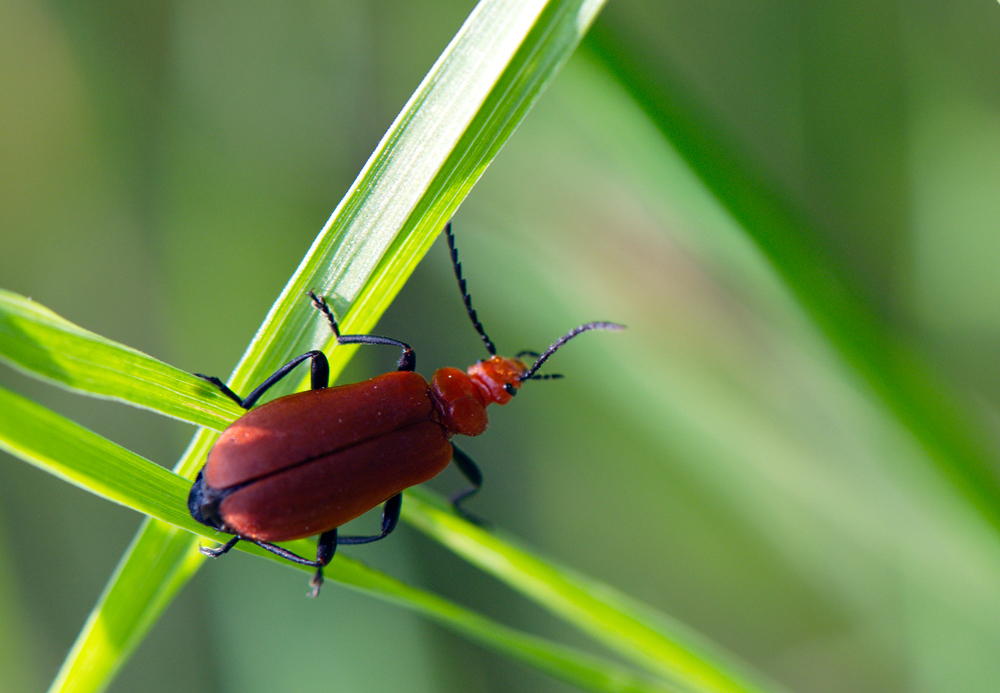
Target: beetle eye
(510, 389)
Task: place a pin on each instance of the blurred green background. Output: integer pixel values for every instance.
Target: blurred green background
(164, 166)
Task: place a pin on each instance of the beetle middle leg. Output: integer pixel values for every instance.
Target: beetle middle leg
(390, 517)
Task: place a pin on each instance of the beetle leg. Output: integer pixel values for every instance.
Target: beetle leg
(222, 387)
(407, 360)
(325, 548)
(284, 553)
(215, 553)
(471, 472)
(320, 375)
(390, 516)
(320, 378)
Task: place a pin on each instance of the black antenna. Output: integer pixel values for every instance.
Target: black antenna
(535, 355)
(465, 293)
(530, 373)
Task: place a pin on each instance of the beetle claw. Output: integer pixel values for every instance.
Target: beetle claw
(316, 581)
(215, 553)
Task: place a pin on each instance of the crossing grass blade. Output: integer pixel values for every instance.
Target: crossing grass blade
(169, 557)
(142, 588)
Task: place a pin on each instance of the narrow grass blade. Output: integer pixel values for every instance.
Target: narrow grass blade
(634, 630)
(573, 666)
(42, 344)
(135, 596)
(83, 458)
(465, 109)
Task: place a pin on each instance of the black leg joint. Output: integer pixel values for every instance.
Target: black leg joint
(390, 518)
(408, 359)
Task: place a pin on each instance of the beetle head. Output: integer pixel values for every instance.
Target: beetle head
(497, 378)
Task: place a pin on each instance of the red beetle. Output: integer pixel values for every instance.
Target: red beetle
(307, 463)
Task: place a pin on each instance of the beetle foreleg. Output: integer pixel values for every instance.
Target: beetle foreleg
(390, 516)
(320, 378)
(407, 360)
(471, 472)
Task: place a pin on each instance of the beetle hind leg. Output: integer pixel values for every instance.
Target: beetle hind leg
(319, 378)
(470, 471)
(223, 388)
(215, 553)
(325, 550)
(390, 517)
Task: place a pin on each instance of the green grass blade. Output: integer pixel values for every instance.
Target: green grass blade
(165, 557)
(134, 598)
(141, 589)
(461, 114)
(55, 444)
(468, 105)
(40, 343)
(570, 665)
(632, 629)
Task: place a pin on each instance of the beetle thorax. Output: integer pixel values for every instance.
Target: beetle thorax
(459, 402)
(462, 398)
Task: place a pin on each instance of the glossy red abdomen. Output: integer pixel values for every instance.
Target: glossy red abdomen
(303, 464)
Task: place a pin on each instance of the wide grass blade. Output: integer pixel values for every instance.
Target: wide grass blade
(958, 438)
(42, 344)
(53, 443)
